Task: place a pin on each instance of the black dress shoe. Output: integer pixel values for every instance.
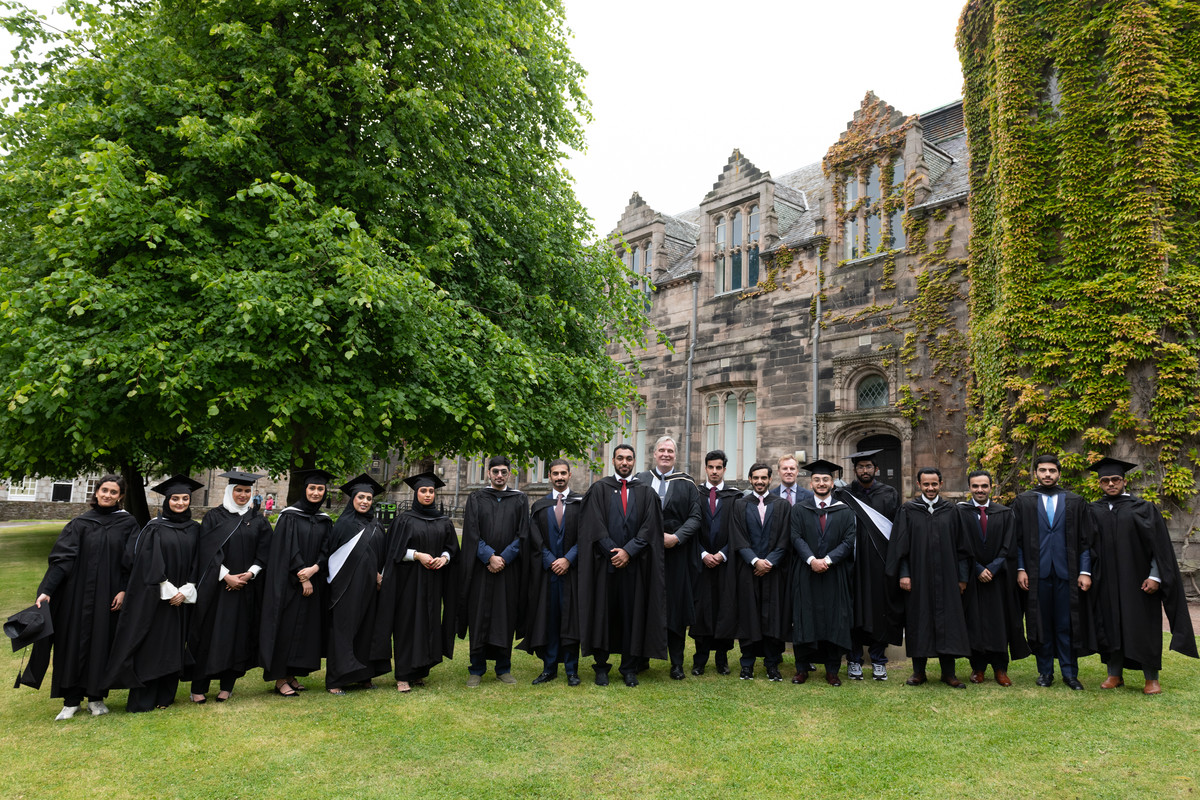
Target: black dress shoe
(631, 680)
(676, 672)
(572, 679)
(1045, 680)
(722, 667)
(544, 677)
(602, 679)
(697, 670)
(773, 674)
(747, 674)
(1074, 684)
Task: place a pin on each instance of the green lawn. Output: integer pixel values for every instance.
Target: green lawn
(710, 736)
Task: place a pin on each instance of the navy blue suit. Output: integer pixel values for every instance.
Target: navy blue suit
(801, 494)
(555, 547)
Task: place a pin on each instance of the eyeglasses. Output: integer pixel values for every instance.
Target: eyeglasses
(1110, 481)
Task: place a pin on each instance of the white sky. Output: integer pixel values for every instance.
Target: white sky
(675, 86)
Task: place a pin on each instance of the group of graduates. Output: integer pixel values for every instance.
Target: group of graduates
(142, 608)
(627, 569)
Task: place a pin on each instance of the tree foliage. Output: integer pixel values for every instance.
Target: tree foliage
(276, 231)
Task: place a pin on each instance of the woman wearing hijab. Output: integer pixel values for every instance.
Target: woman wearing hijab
(149, 653)
(291, 638)
(233, 547)
(355, 561)
(85, 588)
(419, 587)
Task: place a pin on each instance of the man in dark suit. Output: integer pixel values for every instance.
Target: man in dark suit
(680, 503)
(554, 621)
(712, 627)
(788, 488)
(1054, 566)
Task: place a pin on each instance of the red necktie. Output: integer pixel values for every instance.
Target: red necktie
(624, 496)
(712, 501)
(983, 521)
(821, 517)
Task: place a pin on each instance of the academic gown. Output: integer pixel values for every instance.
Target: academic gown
(680, 516)
(1077, 532)
(760, 606)
(540, 581)
(932, 551)
(417, 605)
(992, 609)
(87, 570)
(878, 602)
(490, 603)
(354, 563)
(291, 638)
(603, 526)
(151, 638)
(224, 631)
(1128, 620)
(822, 605)
(716, 607)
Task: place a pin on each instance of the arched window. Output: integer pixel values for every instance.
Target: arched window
(712, 425)
(896, 222)
(647, 258)
(634, 263)
(720, 234)
(730, 424)
(749, 429)
(872, 392)
(752, 248)
(850, 232)
(731, 435)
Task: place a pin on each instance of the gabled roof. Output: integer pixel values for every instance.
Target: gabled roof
(737, 168)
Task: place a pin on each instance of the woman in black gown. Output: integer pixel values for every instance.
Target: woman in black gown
(85, 587)
(149, 654)
(355, 562)
(419, 587)
(234, 542)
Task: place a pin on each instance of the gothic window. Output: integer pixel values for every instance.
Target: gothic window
(752, 248)
(850, 232)
(735, 259)
(872, 211)
(731, 425)
(872, 392)
(896, 221)
(634, 265)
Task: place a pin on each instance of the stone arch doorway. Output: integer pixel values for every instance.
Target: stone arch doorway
(888, 462)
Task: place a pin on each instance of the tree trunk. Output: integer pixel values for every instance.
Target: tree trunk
(307, 459)
(135, 493)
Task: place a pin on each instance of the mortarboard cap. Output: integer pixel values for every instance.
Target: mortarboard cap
(362, 483)
(29, 626)
(864, 455)
(424, 479)
(239, 478)
(1111, 466)
(311, 476)
(822, 467)
(177, 484)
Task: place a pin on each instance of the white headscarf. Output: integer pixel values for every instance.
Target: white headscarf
(233, 507)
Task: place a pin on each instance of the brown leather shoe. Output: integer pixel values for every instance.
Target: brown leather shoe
(916, 680)
(1152, 687)
(953, 682)
(977, 676)
(800, 677)
(1003, 679)
(832, 679)
(1112, 682)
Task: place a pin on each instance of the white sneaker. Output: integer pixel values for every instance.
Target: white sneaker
(97, 707)
(879, 672)
(67, 712)
(854, 671)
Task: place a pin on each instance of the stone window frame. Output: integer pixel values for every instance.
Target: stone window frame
(871, 375)
(738, 458)
(850, 371)
(855, 240)
(746, 251)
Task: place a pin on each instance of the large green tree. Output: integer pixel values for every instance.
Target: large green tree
(284, 232)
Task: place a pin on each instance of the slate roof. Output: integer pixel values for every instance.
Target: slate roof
(955, 181)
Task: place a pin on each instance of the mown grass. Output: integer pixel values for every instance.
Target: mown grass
(710, 736)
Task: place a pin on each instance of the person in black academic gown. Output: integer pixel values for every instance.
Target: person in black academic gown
(680, 501)
(234, 543)
(758, 542)
(419, 589)
(878, 604)
(929, 558)
(150, 653)
(355, 563)
(1136, 579)
(291, 636)
(822, 538)
(622, 582)
(990, 602)
(495, 532)
(715, 624)
(550, 573)
(85, 588)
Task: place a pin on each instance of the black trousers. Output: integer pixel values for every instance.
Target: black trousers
(980, 661)
(706, 645)
(945, 662)
(226, 679)
(825, 653)
(769, 650)
(73, 696)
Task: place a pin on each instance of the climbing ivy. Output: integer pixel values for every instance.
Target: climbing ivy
(1083, 259)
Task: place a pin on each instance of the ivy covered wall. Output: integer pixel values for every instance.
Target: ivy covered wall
(1084, 282)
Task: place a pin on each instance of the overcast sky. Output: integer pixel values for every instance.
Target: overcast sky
(676, 86)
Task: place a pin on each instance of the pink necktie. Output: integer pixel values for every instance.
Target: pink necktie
(762, 509)
(558, 511)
